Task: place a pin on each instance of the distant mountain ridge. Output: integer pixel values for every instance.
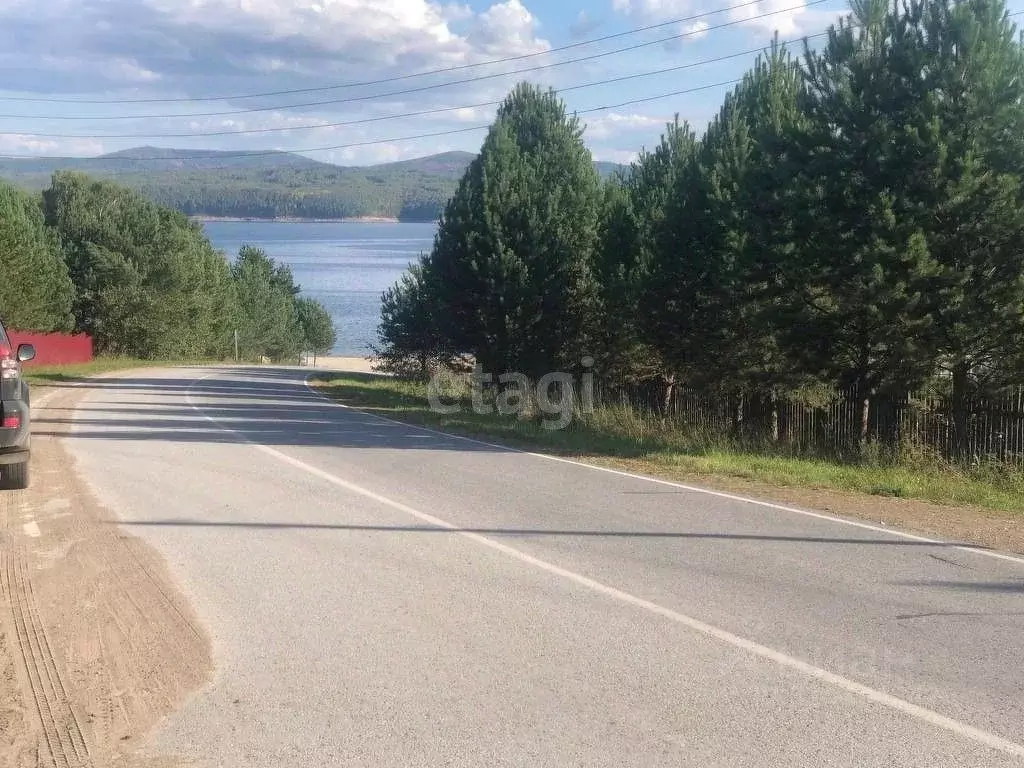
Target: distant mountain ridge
(269, 185)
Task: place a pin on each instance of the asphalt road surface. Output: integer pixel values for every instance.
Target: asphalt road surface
(381, 595)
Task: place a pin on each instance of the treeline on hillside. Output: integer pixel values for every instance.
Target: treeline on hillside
(298, 193)
(143, 281)
(271, 186)
(305, 190)
(852, 219)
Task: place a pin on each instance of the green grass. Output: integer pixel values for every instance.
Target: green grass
(52, 374)
(643, 443)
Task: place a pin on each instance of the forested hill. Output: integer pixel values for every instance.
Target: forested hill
(268, 185)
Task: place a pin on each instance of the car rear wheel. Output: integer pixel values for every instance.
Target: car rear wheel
(14, 477)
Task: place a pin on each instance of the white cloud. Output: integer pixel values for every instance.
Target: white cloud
(129, 70)
(201, 46)
(664, 9)
(617, 124)
(332, 22)
(696, 30)
(621, 156)
(507, 29)
(456, 13)
(377, 31)
(369, 155)
(184, 49)
(388, 153)
(261, 121)
(771, 15)
(21, 144)
(472, 114)
(789, 17)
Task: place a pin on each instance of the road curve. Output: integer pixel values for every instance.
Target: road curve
(381, 595)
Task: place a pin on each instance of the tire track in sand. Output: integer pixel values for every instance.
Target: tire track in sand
(62, 734)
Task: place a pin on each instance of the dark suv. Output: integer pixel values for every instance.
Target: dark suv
(14, 414)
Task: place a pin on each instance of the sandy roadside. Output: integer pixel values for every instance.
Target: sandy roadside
(346, 364)
(96, 643)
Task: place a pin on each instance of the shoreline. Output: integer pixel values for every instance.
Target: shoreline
(300, 220)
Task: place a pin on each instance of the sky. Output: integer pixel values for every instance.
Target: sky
(357, 82)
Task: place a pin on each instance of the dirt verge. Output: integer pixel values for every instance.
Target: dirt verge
(987, 528)
(96, 644)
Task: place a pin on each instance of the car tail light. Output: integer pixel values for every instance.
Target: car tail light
(9, 368)
(12, 422)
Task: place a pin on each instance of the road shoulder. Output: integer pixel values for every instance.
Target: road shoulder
(999, 530)
(96, 643)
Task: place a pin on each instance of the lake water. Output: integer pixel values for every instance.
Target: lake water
(345, 266)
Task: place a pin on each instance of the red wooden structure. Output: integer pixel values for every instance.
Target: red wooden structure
(54, 348)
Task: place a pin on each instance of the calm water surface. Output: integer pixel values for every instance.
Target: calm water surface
(345, 266)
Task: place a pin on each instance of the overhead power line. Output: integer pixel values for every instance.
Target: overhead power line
(420, 113)
(372, 142)
(442, 71)
(423, 88)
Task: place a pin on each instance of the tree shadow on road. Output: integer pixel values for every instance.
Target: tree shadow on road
(237, 405)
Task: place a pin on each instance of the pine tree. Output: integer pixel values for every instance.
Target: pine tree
(615, 269)
(975, 199)
(511, 265)
(409, 342)
(663, 187)
(768, 102)
(857, 286)
(708, 275)
(633, 219)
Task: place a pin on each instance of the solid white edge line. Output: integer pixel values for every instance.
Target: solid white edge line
(673, 484)
(895, 703)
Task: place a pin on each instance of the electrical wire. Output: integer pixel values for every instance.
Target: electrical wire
(419, 89)
(372, 142)
(421, 113)
(445, 70)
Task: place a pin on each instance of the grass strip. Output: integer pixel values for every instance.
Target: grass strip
(640, 442)
(53, 374)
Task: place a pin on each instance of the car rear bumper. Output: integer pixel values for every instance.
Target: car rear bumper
(13, 456)
(14, 443)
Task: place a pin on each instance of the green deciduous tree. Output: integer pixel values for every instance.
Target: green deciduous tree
(318, 333)
(268, 322)
(148, 283)
(35, 290)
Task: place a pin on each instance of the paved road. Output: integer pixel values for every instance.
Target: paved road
(380, 595)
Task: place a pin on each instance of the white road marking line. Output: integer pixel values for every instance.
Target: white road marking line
(895, 703)
(40, 402)
(32, 529)
(681, 486)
